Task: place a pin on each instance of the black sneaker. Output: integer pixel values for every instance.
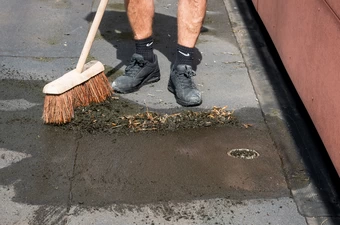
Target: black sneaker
(182, 86)
(138, 73)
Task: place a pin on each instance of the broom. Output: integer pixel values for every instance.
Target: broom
(80, 87)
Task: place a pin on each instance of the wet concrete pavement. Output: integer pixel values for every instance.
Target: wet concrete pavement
(49, 175)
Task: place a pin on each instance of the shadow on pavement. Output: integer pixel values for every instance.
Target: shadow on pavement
(115, 29)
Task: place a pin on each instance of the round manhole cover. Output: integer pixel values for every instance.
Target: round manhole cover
(243, 153)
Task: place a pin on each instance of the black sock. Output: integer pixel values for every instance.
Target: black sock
(144, 47)
(184, 55)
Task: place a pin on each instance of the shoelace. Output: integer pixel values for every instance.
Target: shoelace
(134, 66)
(189, 73)
(186, 79)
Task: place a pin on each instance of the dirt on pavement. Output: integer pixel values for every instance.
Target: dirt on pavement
(118, 115)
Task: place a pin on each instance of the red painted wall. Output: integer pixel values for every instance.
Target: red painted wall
(255, 3)
(306, 34)
(334, 5)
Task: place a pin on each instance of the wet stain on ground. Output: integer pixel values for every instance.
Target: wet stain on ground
(86, 165)
(116, 6)
(174, 166)
(29, 90)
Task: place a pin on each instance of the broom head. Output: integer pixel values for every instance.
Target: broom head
(75, 89)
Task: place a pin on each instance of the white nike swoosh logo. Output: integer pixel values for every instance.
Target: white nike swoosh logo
(149, 44)
(185, 54)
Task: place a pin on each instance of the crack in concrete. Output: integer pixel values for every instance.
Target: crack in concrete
(70, 198)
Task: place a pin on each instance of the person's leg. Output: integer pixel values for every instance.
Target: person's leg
(190, 18)
(143, 68)
(140, 14)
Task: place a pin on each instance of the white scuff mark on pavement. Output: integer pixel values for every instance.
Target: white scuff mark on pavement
(13, 212)
(16, 105)
(8, 157)
(213, 12)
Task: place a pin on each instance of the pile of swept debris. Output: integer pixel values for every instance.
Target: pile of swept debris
(117, 115)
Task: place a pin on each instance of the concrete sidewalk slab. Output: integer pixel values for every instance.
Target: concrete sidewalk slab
(175, 166)
(53, 176)
(44, 29)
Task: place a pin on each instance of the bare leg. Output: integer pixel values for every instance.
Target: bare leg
(140, 14)
(190, 17)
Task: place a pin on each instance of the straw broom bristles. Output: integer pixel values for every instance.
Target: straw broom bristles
(98, 89)
(59, 109)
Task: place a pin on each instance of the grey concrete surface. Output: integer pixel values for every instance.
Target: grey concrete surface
(309, 171)
(42, 38)
(49, 175)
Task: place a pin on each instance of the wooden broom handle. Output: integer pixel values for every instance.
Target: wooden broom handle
(92, 34)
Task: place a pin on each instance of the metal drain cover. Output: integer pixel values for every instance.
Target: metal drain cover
(243, 153)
